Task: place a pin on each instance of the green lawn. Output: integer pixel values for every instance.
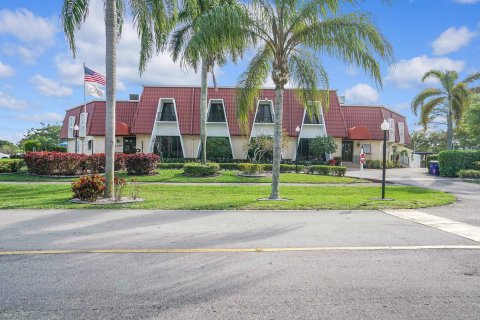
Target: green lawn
(177, 177)
(16, 196)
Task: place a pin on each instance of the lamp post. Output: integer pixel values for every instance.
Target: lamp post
(75, 133)
(385, 127)
(297, 130)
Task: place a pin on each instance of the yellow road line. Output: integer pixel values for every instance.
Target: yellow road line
(233, 250)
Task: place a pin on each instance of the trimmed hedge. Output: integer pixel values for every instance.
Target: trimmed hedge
(141, 163)
(469, 174)
(170, 166)
(55, 163)
(328, 170)
(10, 165)
(200, 170)
(96, 162)
(432, 158)
(452, 161)
(251, 168)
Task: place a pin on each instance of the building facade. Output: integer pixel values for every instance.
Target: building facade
(166, 120)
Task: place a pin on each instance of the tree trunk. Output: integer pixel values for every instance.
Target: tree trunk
(449, 127)
(110, 62)
(203, 112)
(277, 144)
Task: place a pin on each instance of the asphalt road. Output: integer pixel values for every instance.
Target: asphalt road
(365, 265)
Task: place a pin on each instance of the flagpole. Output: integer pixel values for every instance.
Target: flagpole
(84, 110)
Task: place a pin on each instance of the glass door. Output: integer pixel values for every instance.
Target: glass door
(347, 151)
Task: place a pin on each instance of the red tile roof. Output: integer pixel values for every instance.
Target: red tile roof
(187, 100)
(359, 133)
(125, 112)
(372, 117)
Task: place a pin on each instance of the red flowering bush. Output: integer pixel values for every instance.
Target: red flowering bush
(88, 188)
(141, 163)
(120, 161)
(55, 163)
(96, 162)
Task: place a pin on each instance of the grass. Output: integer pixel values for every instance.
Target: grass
(176, 176)
(175, 197)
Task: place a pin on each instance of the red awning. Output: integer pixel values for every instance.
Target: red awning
(359, 133)
(121, 129)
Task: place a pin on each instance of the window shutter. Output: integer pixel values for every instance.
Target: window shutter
(71, 124)
(82, 132)
(401, 132)
(391, 132)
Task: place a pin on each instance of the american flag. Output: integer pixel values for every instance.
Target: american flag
(92, 76)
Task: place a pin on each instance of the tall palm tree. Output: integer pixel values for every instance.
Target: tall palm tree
(449, 101)
(290, 35)
(153, 19)
(193, 43)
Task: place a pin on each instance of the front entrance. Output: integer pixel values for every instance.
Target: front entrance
(129, 145)
(347, 151)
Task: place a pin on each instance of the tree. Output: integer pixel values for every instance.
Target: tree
(193, 42)
(448, 102)
(260, 148)
(428, 141)
(320, 146)
(8, 147)
(289, 35)
(48, 137)
(468, 132)
(153, 19)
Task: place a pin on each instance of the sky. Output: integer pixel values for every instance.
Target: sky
(39, 79)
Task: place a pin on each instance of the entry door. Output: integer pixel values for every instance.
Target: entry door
(347, 151)
(129, 145)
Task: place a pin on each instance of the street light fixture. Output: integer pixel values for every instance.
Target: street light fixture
(297, 130)
(75, 133)
(385, 127)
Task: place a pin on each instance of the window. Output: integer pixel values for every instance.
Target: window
(367, 148)
(90, 145)
(401, 131)
(168, 147)
(216, 113)
(264, 114)
(315, 119)
(167, 113)
(391, 131)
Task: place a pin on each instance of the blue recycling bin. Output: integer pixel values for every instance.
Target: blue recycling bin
(434, 168)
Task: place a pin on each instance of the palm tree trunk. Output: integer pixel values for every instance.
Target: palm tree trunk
(203, 111)
(110, 59)
(449, 129)
(277, 143)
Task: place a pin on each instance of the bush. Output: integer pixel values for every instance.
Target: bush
(119, 162)
(328, 170)
(88, 188)
(476, 166)
(452, 161)
(16, 156)
(170, 165)
(229, 166)
(10, 165)
(200, 170)
(320, 146)
(141, 163)
(469, 174)
(432, 158)
(218, 148)
(32, 145)
(251, 168)
(59, 149)
(55, 163)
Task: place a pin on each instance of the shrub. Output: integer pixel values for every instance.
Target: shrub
(31, 145)
(119, 162)
(218, 148)
(320, 146)
(89, 187)
(10, 165)
(476, 165)
(229, 166)
(452, 161)
(96, 163)
(328, 170)
(16, 156)
(469, 174)
(120, 184)
(141, 163)
(200, 170)
(59, 149)
(432, 158)
(55, 163)
(170, 165)
(251, 168)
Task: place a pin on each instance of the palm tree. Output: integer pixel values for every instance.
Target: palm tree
(153, 19)
(193, 42)
(289, 36)
(449, 101)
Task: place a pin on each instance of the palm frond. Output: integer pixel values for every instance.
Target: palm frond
(74, 13)
(249, 84)
(428, 108)
(420, 98)
(472, 78)
(437, 74)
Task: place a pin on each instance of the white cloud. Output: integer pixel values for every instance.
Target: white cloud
(407, 73)
(452, 40)
(10, 103)
(361, 93)
(34, 32)
(90, 41)
(49, 87)
(6, 70)
(46, 117)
